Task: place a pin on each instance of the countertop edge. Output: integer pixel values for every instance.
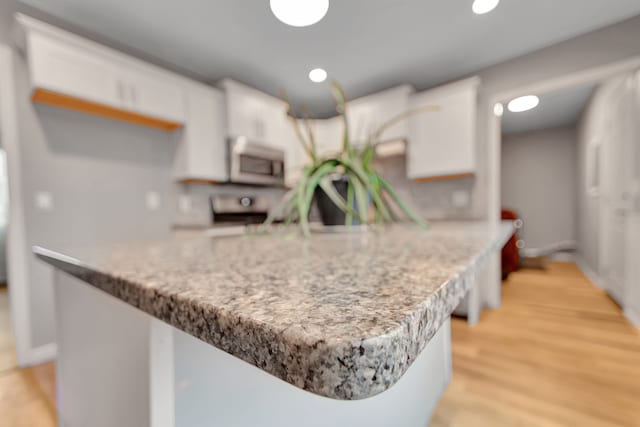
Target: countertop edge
(353, 370)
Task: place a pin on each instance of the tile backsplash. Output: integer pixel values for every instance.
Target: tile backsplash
(449, 199)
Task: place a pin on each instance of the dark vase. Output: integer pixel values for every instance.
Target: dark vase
(330, 213)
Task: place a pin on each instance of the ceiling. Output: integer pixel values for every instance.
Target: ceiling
(367, 45)
(556, 109)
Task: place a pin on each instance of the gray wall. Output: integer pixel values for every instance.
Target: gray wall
(538, 180)
(98, 173)
(7, 9)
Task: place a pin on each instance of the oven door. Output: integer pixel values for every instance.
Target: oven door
(252, 163)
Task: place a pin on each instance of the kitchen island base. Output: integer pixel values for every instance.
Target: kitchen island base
(120, 366)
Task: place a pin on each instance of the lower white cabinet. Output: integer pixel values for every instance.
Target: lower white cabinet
(442, 143)
(202, 150)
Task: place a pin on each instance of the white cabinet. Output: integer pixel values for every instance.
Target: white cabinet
(328, 137)
(329, 133)
(68, 70)
(442, 143)
(71, 72)
(202, 150)
(259, 117)
(146, 93)
(368, 113)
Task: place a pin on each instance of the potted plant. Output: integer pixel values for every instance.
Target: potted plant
(345, 187)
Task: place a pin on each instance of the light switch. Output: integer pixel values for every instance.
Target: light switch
(460, 199)
(44, 201)
(184, 203)
(153, 200)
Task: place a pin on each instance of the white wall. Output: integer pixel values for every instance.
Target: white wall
(609, 121)
(539, 174)
(602, 120)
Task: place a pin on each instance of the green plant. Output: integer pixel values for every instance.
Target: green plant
(366, 188)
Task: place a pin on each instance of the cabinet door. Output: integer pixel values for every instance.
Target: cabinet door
(202, 153)
(258, 116)
(442, 143)
(367, 114)
(329, 134)
(68, 70)
(154, 95)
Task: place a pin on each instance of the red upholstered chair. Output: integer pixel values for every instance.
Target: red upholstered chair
(510, 252)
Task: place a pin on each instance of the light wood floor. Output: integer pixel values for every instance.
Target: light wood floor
(7, 353)
(557, 353)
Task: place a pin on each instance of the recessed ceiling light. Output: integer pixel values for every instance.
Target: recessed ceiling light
(498, 109)
(317, 75)
(299, 13)
(481, 7)
(524, 103)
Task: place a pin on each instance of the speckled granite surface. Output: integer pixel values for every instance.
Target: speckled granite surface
(341, 316)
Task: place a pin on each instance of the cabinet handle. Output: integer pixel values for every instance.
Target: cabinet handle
(120, 91)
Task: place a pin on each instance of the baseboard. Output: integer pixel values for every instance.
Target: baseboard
(38, 355)
(589, 272)
(633, 316)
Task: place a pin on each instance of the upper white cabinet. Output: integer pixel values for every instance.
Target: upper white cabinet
(368, 113)
(144, 92)
(202, 151)
(259, 117)
(71, 72)
(328, 139)
(66, 69)
(329, 134)
(442, 143)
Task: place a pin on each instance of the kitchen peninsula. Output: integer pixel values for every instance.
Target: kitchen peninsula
(338, 329)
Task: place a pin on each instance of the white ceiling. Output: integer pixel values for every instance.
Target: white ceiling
(559, 108)
(368, 45)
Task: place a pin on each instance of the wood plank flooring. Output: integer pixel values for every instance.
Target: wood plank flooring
(557, 353)
(7, 351)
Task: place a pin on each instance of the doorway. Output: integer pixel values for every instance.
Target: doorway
(607, 199)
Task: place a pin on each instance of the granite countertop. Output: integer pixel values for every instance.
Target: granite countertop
(339, 315)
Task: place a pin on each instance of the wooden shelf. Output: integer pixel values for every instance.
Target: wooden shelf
(444, 177)
(44, 96)
(199, 181)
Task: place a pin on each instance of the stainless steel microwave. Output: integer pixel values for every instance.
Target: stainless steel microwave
(251, 163)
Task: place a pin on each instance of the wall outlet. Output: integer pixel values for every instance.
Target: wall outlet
(184, 203)
(460, 199)
(44, 201)
(153, 200)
